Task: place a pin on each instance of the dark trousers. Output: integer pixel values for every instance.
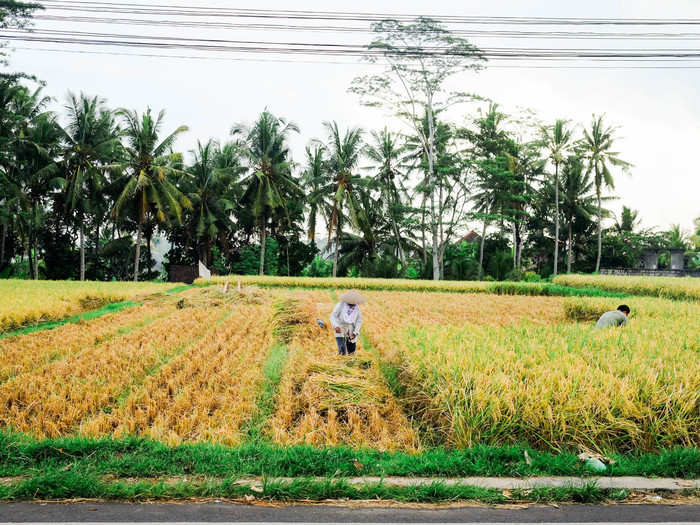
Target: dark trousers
(345, 346)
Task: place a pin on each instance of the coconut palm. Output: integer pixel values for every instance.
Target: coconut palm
(597, 149)
(313, 179)
(149, 170)
(92, 139)
(578, 200)
(210, 186)
(270, 183)
(557, 140)
(344, 151)
(389, 158)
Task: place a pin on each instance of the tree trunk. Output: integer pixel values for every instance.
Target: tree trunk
(81, 236)
(2, 245)
(402, 256)
(263, 239)
(515, 248)
(600, 234)
(139, 229)
(336, 248)
(33, 246)
(481, 251)
(556, 217)
(288, 270)
(571, 251)
(149, 258)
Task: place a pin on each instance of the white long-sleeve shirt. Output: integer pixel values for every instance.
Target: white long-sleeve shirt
(348, 330)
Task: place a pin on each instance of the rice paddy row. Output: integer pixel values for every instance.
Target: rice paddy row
(486, 376)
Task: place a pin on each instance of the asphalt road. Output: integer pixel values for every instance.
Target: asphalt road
(228, 512)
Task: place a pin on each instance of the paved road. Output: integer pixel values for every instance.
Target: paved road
(226, 512)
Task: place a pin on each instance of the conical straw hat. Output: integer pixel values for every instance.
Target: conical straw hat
(352, 297)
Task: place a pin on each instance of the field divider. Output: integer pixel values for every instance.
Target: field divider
(266, 402)
(110, 308)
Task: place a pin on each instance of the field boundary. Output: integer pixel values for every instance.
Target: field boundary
(404, 285)
(110, 308)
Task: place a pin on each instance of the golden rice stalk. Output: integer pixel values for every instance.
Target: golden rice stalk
(31, 302)
(23, 353)
(204, 394)
(327, 399)
(53, 399)
(665, 287)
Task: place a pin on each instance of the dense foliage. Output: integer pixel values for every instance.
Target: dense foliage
(91, 192)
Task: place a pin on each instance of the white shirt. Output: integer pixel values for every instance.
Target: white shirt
(349, 321)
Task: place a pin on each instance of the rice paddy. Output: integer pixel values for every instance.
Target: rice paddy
(229, 366)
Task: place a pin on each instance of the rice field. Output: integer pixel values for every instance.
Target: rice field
(29, 302)
(432, 369)
(687, 288)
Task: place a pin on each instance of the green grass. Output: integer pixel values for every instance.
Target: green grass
(76, 483)
(87, 316)
(267, 395)
(136, 457)
(546, 289)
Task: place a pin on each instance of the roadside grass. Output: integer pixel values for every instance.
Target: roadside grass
(110, 308)
(22, 455)
(61, 484)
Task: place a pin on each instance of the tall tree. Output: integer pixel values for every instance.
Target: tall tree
(419, 58)
(344, 151)
(598, 143)
(92, 141)
(489, 145)
(557, 140)
(578, 201)
(389, 158)
(270, 183)
(210, 186)
(149, 174)
(313, 179)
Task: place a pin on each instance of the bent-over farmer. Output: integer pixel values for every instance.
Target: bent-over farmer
(346, 321)
(619, 317)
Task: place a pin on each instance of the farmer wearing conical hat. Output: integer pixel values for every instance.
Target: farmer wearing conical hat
(346, 321)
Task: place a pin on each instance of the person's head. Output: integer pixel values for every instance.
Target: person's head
(624, 309)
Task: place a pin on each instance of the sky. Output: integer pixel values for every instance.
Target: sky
(657, 111)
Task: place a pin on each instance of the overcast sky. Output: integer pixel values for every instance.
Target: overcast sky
(657, 110)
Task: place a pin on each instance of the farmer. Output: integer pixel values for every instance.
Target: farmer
(619, 317)
(346, 321)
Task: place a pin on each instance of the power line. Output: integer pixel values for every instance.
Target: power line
(279, 60)
(333, 49)
(366, 30)
(199, 11)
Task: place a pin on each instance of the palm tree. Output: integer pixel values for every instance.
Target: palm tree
(597, 145)
(209, 184)
(92, 138)
(677, 238)
(578, 200)
(490, 142)
(390, 159)
(271, 182)
(557, 140)
(344, 152)
(313, 178)
(628, 221)
(149, 173)
(29, 155)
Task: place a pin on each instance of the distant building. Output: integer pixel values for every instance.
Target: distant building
(472, 236)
